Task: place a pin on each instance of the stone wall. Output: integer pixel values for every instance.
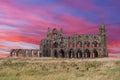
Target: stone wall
(75, 46)
(26, 52)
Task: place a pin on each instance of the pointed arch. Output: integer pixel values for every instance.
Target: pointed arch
(87, 44)
(79, 44)
(70, 45)
(12, 52)
(18, 52)
(95, 44)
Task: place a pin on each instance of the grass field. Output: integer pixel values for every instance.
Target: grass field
(59, 69)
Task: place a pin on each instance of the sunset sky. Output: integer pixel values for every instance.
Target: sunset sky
(23, 23)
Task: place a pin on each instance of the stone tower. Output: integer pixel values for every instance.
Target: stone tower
(102, 32)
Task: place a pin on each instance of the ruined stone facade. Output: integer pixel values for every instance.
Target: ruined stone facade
(75, 46)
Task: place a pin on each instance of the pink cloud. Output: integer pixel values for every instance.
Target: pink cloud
(4, 55)
(1, 46)
(114, 47)
(114, 44)
(77, 25)
(112, 51)
(35, 21)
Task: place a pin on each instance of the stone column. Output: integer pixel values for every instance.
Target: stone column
(67, 54)
(32, 53)
(26, 53)
(17, 54)
(91, 53)
(51, 55)
(74, 56)
(83, 54)
(38, 53)
(59, 54)
(71, 54)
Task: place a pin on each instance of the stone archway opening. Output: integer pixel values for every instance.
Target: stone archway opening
(79, 54)
(29, 53)
(55, 45)
(87, 53)
(35, 54)
(62, 53)
(47, 53)
(18, 53)
(71, 53)
(55, 54)
(95, 53)
(14, 52)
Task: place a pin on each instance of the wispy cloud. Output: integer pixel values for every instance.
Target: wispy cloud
(23, 24)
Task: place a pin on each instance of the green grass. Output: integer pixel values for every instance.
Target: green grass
(59, 69)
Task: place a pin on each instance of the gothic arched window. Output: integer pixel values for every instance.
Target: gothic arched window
(70, 45)
(55, 45)
(79, 44)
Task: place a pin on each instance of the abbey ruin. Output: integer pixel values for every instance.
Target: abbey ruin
(57, 45)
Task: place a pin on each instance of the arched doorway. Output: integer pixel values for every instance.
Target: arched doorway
(71, 53)
(87, 53)
(19, 52)
(44, 51)
(79, 54)
(62, 53)
(47, 53)
(55, 45)
(35, 53)
(55, 53)
(95, 53)
(12, 51)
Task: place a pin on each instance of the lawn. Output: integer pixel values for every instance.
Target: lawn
(59, 69)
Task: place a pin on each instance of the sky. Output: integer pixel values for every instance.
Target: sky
(23, 23)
